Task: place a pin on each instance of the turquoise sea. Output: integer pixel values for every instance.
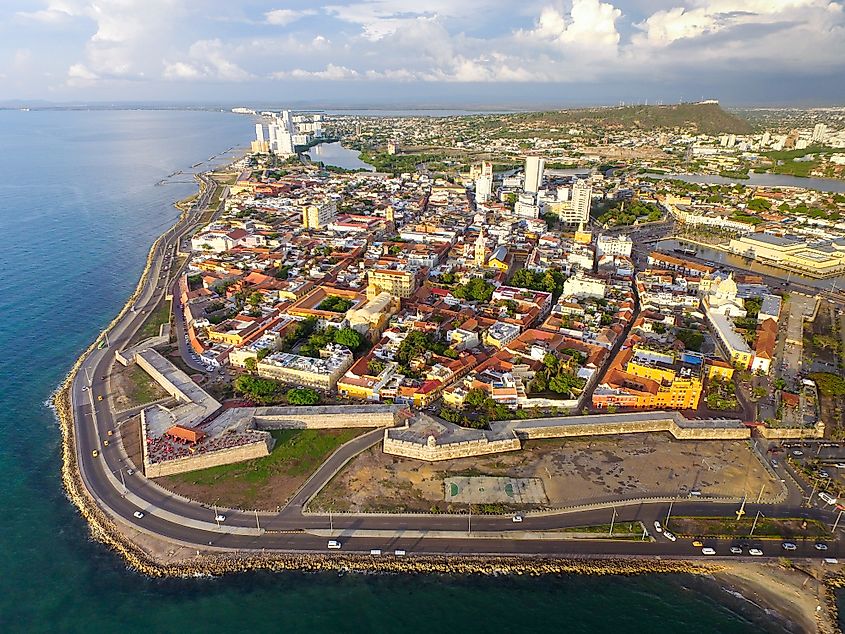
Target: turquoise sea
(79, 207)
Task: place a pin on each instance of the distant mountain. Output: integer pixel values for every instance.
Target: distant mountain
(705, 118)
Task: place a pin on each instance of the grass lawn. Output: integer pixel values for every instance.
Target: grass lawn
(766, 527)
(619, 528)
(160, 315)
(140, 387)
(266, 482)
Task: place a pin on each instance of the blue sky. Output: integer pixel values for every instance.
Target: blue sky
(434, 52)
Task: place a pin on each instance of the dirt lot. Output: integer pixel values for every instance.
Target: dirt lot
(132, 386)
(573, 471)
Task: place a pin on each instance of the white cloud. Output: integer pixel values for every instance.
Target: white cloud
(331, 72)
(283, 17)
(55, 12)
(588, 29)
(207, 59)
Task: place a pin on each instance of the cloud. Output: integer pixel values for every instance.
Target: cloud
(207, 59)
(55, 12)
(439, 41)
(283, 17)
(331, 72)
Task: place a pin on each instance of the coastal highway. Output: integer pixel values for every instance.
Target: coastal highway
(175, 518)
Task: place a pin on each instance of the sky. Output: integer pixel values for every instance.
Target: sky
(425, 52)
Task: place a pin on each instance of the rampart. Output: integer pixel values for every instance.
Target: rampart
(423, 440)
(257, 449)
(432, 452)
(324, 417)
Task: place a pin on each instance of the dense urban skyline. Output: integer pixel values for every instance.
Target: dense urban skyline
(473, 52)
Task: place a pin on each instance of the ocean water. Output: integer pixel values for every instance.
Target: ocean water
(79, 207)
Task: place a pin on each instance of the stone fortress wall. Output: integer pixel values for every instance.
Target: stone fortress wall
(507, 435)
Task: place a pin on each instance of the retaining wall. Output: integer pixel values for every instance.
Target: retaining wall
(434, 453)
(327, 417)
(257, 449)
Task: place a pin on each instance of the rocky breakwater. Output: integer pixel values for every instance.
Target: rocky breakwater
(102, 526)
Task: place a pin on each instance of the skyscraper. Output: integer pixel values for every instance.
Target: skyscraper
(533, 173)
(259, 133)
(819, 132)
(582, 197)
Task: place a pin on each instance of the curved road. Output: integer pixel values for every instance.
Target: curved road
(172, 517)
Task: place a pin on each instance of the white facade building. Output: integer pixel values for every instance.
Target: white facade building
(534, 166)
(613, 245)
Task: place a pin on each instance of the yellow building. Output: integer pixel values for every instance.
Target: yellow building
(318, 216)
(672, 384)
(398, 283)
(718, 369)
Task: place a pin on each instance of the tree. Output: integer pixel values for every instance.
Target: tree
(255, 299)
(350, 338)
(250, 364)
(302, 396)
(264, 391)
(375, 367)
(476, 289)
(475, 398)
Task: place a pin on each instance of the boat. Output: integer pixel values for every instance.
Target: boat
(102, 344)
(685, 250)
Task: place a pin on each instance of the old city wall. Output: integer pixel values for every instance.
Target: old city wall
(162, 380)
(783, 433)
(256, 449)
(447, 451)
(329, 417)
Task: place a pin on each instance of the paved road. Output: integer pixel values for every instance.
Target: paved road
(173, 517)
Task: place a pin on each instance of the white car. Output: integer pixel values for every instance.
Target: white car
(138, 514)
(736, 550)
(85, 388)
(755, 551)
(333, 544)
(789, 546)
(516, 519)
(708, 551)
(658, 527)
(219, 518)
(670, 536)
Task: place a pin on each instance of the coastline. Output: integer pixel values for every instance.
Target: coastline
(156, 557)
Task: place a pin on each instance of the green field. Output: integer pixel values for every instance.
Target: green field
(141, 389)
(780, 528)
(151, 327)
(297, 452)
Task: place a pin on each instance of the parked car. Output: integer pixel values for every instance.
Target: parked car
(658, 527)
(670, 536)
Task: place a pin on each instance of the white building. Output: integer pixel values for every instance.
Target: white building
(483, 188)
(534, 166)
(582, 286)
(819, 132)
(582, 198)
(613, 245)
(526, 206)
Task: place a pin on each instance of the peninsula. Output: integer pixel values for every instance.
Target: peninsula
(475, 364)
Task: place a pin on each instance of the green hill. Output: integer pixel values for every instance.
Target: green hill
(706, 118)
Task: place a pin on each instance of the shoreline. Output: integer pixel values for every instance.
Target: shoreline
(157, 557)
